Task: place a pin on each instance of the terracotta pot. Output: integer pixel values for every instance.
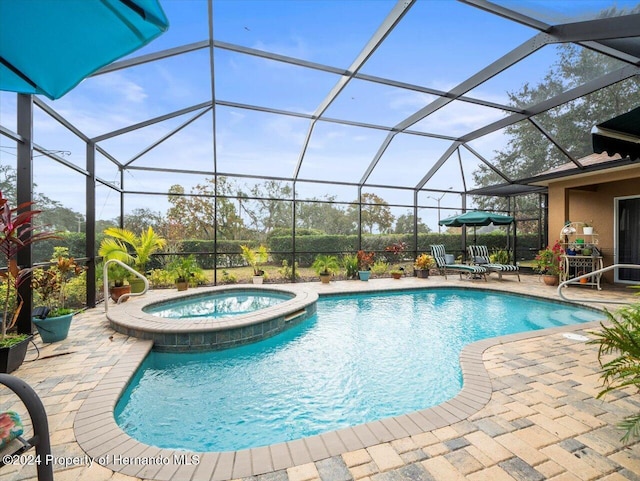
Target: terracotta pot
(550, 280)
(396, 275)
(116, 292)
(325, 278)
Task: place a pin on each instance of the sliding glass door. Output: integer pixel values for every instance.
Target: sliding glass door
(628, 238)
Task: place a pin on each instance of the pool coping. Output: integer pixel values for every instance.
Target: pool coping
(203, 334)
(104, 441)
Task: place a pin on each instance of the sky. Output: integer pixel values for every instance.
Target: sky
(438, 44)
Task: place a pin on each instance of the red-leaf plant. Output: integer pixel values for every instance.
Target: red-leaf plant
(16, 233)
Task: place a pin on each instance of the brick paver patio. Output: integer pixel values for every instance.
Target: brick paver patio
(539, 419)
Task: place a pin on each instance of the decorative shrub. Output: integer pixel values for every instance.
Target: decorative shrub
(379, 268)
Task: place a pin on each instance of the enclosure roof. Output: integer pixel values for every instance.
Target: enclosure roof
(413, 94)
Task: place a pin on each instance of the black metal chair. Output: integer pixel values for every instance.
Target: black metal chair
(40, 439)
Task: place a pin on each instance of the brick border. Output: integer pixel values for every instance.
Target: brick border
(101, 438)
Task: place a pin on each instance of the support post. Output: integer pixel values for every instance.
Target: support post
(90, 226)
(24, 188)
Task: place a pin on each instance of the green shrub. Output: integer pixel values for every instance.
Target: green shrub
(286, 270)
(228, 278)
(161, 278)
(379, 268)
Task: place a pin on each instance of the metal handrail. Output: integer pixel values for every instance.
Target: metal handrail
(589, 274)
(123, 297)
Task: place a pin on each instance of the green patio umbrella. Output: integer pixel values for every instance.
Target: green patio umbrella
(476, 218)
(48, 46)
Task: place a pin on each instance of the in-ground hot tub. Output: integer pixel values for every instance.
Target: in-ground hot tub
(237, 315)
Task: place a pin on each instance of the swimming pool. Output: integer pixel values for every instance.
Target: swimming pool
(361, 358)
(217, 305)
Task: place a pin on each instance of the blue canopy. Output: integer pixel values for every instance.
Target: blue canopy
(48, 46)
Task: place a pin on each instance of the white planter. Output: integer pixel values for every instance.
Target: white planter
(587, 230)
(258, 279)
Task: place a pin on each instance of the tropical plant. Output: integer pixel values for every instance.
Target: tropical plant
(365, 260)
(51, 285)
(350, 264)
(161, 278)
(184, 268)
(126, 246)
(16, 233)
(499, 256)
(379, 267)
(286, 270)
(424, 261)
(549, 260)
(622, 340)
(396, 250)
(229, 278)
(325, 265)
(255, 258)
(118, 274)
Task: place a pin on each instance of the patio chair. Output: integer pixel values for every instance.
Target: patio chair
(439, 254)
(479, 255)
(12, 442)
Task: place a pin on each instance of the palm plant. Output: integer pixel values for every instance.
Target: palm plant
(125, 246)
(621, 339)
(325, 265)
(255, 258)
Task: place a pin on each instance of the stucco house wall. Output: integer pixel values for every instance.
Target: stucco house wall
(590, 198)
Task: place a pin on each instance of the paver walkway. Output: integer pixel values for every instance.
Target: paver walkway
(541, 422)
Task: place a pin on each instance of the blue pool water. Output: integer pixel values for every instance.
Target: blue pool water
(216, 305)
(361, 358)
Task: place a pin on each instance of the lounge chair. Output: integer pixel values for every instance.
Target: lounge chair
(439, 254)
(479, 255)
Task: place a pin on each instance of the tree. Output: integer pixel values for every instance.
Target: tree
(140, 219)
(375, 213)
(528, 152)
(324, 215)
(404, 225)
(8, 182)
(207, 207)
(272, 206)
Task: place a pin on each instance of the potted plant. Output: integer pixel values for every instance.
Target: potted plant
(365, 261)
(397, 273)
(587, 228)
(255, 258)
(125, 246)
(53, 319)
(119, 284)
(549, 263)
(183, 270)
(350, 265)
(325, 266)
(422, 264)
(16, 232)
